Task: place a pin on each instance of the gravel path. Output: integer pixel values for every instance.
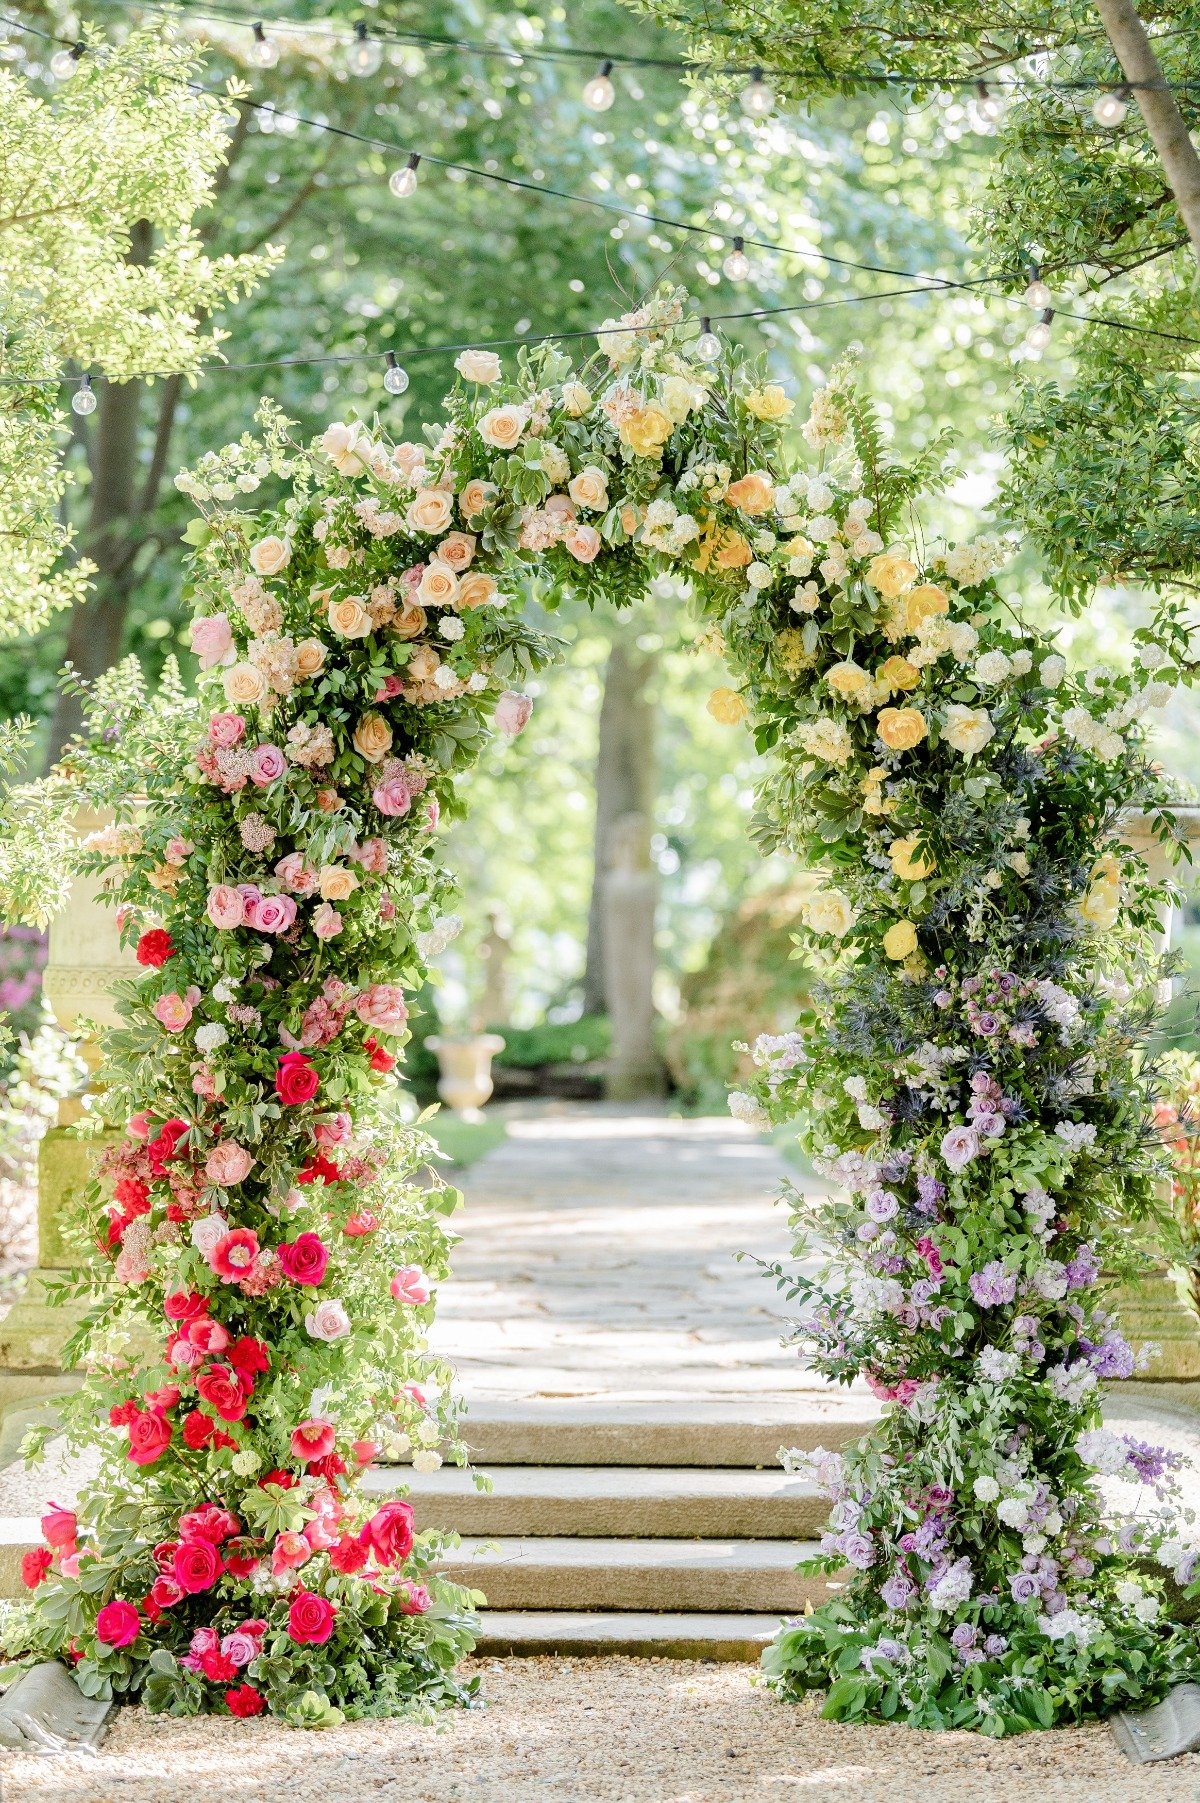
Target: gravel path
(596, 1731)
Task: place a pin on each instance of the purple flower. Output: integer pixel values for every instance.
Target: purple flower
(882, 1205)
(1024, 1586)
(1083, 1268)
(898, 1590)
(1113, 1357)
(857, 1549)
(959, 1146)
(994, 1645)
(986, 1025)
(993, 1285)
(964, 1636)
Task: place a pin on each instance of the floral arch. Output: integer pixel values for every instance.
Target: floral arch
(266, 1267)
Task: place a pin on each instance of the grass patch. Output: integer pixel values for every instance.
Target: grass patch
(464, 1142)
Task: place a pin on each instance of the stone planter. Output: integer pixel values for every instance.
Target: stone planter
(465, 1063)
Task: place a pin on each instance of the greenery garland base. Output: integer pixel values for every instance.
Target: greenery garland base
(969, 1068)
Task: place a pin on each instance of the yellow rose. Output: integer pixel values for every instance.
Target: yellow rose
(589, 489)
(411, 620)
(502, 427)
(890, 572)
(310, 657)
(372, 740)
(337, 883)
(898, 674)
(727, 706)
(457, 550)
(429, 511)
(752, 493)
(922, 602)
(770, 402)
(349, 618)
(576, 399)
(901, 728)
(475, 590)
(244, 685)
(900, 940)
(847, 678)
(646, 431)
(1102, 903)
(475, 497)
(438, 586)
(829, 911)
(908, 862)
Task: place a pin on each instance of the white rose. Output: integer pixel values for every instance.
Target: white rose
(758, 575)
(328, 1321)
(425, 1460)
(478, 366)
(679, 397)
(269, 556)
(346, 448)
(207, 1231)
(967, 729)
(1052, 671)
(829, 911)
(576, 399)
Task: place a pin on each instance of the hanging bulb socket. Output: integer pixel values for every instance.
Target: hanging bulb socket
(365, 54)
(737, 263)
(756, 99)
(1037, 294)
(708, 345)
(403, 182)
(1038, 336)
(395, 379)
(989, 106)
(83, 401)
(64, 62)
(263, 51)
(1109, 110)
(599, 93)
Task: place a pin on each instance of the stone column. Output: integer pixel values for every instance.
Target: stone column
(630, 901)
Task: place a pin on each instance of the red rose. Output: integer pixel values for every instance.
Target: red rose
(118, 1623)
(240, 1560)
(319, 1169)
(34, 1566)
(166, 1592)
(165, 1145)
(197, 1430)
(248, 1355)
(380, 1060)
(211, 1523)
(122, 1413)
(310, 1619)
(285, 1479)
(297, 1079)
(184, 1305)
(389, 1533)
(150, 1608)
(60, 1526)
(133, 1195)
(329, 1467)
(304, 1259)
(197, 1566)
(149, 1437)
(224, 1393)
(245, 1700)
(218, 1667)
(154, 948)
(348, 1556)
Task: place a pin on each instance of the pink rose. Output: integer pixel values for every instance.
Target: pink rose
(267, 764)
(240, 1648)
(311, 1619)
(583, 542)
(313, 1440)
(226, 907)
(273, 913)
(175, 1010)
(372, 855)
(227, 1163)
(392, 797)
(212, 641)
(334, 1132)
(512, 713)
(225, 731)
(69, 1564)
(433, 814)
(326, 921)
(304, 1259)
(328, 1321)
(410, 1286)
(382, 1006)
(59, 1525)
(295, 874)
(118, 1623)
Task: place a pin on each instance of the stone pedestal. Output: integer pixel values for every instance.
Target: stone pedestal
(630, 899)
(34, 1330)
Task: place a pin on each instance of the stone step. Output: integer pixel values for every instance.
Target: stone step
(509, 1633)
(593, 1501)
(678, 1431)
(689, 1576)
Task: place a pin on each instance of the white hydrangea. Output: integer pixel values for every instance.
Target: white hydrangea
(759, 575)
(210, 1036)
(986, 1489)
(1051, 671)
(1071, 1624)
(991, 668)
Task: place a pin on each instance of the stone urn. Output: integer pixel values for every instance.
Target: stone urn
(465, 1064)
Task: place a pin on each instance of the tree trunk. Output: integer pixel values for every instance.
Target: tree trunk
(625, 784)
(1164, 122)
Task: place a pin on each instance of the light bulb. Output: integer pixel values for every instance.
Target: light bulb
(737, 263)
(403, 182)
(64, 63)
(988, 106)
(756, 99)
(395, 379)
(84, 398)
(1038, 295)
(263, 51)
(1038, 336)
(599, 93)
(365, 54)
(1109, 110)
(708, 345)
(266, 118)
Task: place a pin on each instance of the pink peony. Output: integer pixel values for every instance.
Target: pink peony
(227, 1163)
(410, 1286)
(392, 797)
(382, 1006)
(372, 855)
(512, 713)
(212, 641)
(226, 907)
(225, 731)
(272, 913)
(326, 921)
(267, 764)
(295, 874)
(175, 1010)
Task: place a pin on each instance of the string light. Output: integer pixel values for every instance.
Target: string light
(1109, 110)
(64, 63)
(395, 379)
(263, 51)
(737, 263)
(1037, 294)
(756, 98)
(1038, 336)
(403, 182)
(84, 398)
(989, 106)
(365, 54)
(708, 345)
(599, 93)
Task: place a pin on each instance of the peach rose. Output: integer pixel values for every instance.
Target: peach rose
(583, 542)
(475, 497)
(475, 590)
(502, 427)
(752, 493)
(349, 618)
(769, 402)
(478, 366)
(410, 621)
(372, 740)
(923, 602)
(429, 511)
(457, 550)
(589, 489)
(424, 663)
(559, 507)
(733, 553)
(901, 728)
(269, 556)
(244, 685)
(227, 1163)
(439, 585)
(337, 883)
(310, 657)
